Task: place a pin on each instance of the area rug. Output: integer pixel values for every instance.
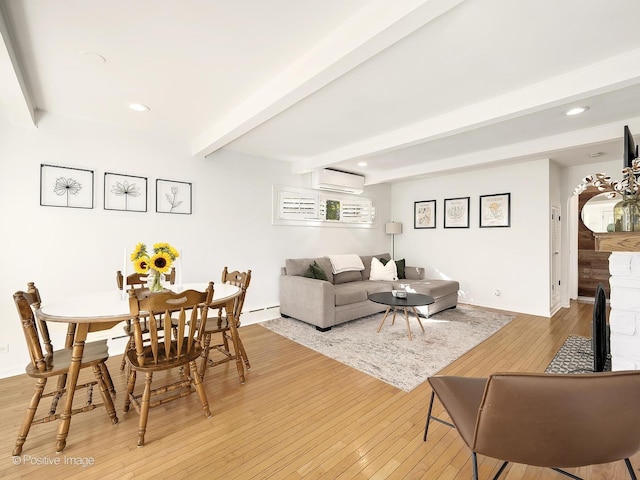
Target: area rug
(389, 355)
(575, 356)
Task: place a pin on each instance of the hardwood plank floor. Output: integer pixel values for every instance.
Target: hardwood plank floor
(299, 415)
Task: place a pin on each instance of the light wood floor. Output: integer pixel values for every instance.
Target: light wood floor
(299, 415)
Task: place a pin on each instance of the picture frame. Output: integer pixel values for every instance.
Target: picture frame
(495, 210)
(456, 212)
(424, 214)
(126, 193)
(173, 196)
(67, 187)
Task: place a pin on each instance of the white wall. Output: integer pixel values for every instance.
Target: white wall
(513, 260)
(67, 250)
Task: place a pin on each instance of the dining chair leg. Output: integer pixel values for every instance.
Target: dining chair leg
(29, 416)
(130, 346)
(426, 427)
(197, 383)
(106, 395)
(206, 347)
(107, 378)
(144, 408)
(243, 353)
(475, 465)
(130, 386)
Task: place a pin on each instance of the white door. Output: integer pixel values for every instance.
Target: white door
(555, 257)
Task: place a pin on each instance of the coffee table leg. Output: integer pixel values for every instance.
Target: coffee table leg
(406, 318)
(418, 317)
(384, 318)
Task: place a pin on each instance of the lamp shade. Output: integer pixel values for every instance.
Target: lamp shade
(393, 228)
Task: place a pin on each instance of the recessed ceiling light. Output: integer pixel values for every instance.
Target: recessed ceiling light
(576, 110)
(596, 154)
(139, 107)
(362, 164)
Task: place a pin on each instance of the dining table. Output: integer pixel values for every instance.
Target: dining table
(98, 311)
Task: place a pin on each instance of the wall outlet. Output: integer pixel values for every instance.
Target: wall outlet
(4, 348)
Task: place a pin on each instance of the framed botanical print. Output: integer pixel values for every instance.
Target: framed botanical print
(125, 192)
(424, 214)
(66, 187)
(495, 210)
(173, 197)
(456, 212)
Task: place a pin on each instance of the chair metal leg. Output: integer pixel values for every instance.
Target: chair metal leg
(475, 465)
(426, 427)
(431, 417)
(630, 468)
(504, 465)
(570, 475)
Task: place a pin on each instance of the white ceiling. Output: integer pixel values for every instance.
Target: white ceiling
(412, 87)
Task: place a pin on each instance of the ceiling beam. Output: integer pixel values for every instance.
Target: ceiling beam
(523, 151)
(611, 74)
(15, 96)
(374, 28)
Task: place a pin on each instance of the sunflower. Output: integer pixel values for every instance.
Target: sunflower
(166, 248)
(139, 252)
(161, 261)
(141, 265)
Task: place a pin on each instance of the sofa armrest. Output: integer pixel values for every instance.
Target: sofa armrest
(308, 299)
(414, 273)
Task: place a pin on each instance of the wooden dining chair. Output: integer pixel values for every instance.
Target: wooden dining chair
(47, 362)
(220, 325)
(180, 347)
(137, 280)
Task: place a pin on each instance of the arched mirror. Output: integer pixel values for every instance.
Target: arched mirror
(597, 213)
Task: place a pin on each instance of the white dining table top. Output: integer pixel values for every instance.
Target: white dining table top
(110, 305)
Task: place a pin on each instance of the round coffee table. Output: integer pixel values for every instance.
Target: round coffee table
(413, 300)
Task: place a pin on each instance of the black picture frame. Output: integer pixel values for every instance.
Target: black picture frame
(456, 212)
(66, 187)
(424, 214)
(495, 210)
(127, 193)
(173, 196)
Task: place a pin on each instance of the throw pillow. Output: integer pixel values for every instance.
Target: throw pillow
(386, 272)
(315, 271)
(399, 266)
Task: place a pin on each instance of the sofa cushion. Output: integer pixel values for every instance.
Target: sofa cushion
(366, 261)
(386, 272)
(348, 293)
(435, 288)
(346, 277)
(315, 271)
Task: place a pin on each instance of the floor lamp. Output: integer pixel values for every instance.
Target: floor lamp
(393, 228)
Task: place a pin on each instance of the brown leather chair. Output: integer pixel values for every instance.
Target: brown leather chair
(545, 420)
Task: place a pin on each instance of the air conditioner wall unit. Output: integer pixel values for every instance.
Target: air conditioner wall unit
(337, 181)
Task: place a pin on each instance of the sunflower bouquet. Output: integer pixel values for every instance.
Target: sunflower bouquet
(154, 265)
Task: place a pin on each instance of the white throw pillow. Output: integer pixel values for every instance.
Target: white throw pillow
(386, 272)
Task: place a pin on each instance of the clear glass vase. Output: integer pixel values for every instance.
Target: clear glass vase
(626, 214)
(155, 280)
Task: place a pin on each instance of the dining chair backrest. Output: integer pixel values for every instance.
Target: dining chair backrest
(39, 360)
(175, 327)
(140, 279)
(241, 280)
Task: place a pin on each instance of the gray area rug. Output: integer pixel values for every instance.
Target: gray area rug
(575, 356)
(389, 355)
